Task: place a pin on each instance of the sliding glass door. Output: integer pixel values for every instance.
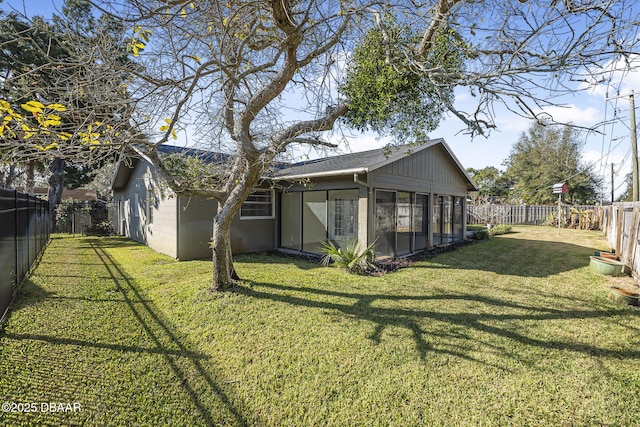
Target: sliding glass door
(421, 222)
(385, 223)
(404, 231)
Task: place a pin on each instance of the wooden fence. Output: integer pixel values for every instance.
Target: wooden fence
(620, 224)
(531, 214)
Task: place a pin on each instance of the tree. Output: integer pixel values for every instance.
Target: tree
(42, 61)
(547, 155)
(491, 182)
(627, 195)
(255, 79)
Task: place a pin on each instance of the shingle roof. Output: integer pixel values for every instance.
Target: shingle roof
(365, 160)
(336, 163)
(205, 156)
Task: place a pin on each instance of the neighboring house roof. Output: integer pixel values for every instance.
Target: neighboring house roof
(363, 162)
(78, 194)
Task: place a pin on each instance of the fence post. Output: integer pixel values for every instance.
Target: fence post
(15, 234)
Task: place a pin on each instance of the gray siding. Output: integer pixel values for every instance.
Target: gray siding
(195, 221)
(196, 230)
(428, 171)
(252, 235)
(132, 215)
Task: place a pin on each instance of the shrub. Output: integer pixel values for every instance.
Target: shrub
(90, 217)
(481, 234)
(353, 258)
(500, 229)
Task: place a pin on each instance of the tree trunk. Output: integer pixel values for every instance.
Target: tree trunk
(224, 275)
(56, 182)
(56, 185)
(30, 181)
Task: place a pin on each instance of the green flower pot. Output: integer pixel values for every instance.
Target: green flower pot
(623, 296)
(607, 267)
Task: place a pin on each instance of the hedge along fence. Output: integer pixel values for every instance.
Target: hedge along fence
(573, 216)
(83, 217)
(24, 231)
(621, 227)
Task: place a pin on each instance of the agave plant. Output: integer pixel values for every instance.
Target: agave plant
(354, 257)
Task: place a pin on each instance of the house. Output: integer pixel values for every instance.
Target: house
(406, 201)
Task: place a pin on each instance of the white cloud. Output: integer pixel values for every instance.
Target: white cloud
(618, 77)
(571, 113)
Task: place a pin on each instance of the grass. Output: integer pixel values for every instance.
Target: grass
(511, 331)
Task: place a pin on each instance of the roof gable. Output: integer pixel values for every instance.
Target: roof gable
(345, 164)
(366, 161)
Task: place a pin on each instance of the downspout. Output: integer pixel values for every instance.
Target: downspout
(178, 199)
(369, 228)
(357, 181)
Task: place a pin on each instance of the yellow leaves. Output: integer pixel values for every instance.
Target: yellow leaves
(51, 120)
(41, 131)
(56, 107)
(139, 40)
(168, 126)
(43, 116)
(48, 147)
(33, 107)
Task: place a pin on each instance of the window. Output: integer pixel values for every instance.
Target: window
(150, 203)
(136, 205)
(342, 224)
(259, 205)
(344, 210)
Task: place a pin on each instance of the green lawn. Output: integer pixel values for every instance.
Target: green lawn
(511, 331)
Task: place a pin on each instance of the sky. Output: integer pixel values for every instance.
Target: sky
(600, 104)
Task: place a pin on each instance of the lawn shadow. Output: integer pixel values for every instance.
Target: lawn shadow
(515, 257)
(157, 330)
(462, 325)
(302, 261)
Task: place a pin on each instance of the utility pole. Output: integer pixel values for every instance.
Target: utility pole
(612, 186)
(634, 146)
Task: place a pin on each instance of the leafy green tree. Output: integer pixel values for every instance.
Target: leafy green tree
(491, 182)
(547, 155)
(385, 94)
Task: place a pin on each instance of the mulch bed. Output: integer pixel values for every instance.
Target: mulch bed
(383, 266)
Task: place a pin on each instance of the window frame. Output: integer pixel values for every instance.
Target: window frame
(247, 201)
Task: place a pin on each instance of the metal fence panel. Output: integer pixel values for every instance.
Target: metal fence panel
(24, 230)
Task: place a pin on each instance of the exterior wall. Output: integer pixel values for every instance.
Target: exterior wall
(146, 215)
(196, 230)
(428, 171)
(181, 227)
(195, 227)
(253, 235)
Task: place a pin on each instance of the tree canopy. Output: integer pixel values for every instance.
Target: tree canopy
(493, 184)
(547, 155)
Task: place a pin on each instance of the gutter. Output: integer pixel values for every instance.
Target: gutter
(359, 182)
(323, 174)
